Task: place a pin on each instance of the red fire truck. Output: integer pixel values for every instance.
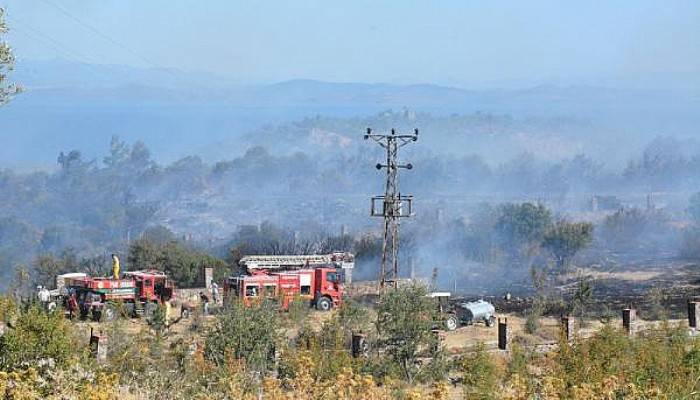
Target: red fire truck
(286, 278)
(137, 293)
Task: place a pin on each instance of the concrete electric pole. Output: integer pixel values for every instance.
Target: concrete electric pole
(392, 205)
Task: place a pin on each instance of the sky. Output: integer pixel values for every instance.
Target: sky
(468, 44)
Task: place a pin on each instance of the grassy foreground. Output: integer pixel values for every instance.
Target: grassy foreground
(252, 353)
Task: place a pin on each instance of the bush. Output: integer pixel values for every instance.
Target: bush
(404, 323)
(298, 310)
(479, 375)
(248, 333)
(34, 336)
(326, 349)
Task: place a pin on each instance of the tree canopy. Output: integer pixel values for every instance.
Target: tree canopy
(565, 239)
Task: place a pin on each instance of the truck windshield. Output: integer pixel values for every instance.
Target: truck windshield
(332, 277)
(251, 291)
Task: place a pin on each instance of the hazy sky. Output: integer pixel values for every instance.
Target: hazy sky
(464, 43)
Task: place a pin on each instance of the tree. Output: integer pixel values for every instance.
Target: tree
(158, 234)
(183, 264)
(7, 60)
(118, 153)
(71, 161)
(405, 319)
(140, 157)
(521, 227)
(565, 239)
(45, 269)
(368, 247)
(20, 286)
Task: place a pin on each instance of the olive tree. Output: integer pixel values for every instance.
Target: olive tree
(565, 239)
(520, 229)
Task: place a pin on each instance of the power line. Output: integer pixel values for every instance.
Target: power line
(99, 33)
(33, 33)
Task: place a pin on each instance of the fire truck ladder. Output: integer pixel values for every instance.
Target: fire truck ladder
(272, 262)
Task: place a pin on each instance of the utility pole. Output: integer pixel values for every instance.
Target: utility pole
(392, 205)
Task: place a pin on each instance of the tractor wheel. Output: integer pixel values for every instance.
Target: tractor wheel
(149, 310)
(324, 304)
(129, 310)
(451, 323)
(109, 313)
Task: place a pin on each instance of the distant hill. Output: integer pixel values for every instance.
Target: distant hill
(68, 105)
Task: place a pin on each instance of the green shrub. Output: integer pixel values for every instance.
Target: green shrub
(34, 336)
(479, 375)
(248, 333)
(404, 322)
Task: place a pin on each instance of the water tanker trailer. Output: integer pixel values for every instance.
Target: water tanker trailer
(476, 311)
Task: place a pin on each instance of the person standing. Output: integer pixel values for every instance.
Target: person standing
(44, 296)
(215, 292)
(205, 302)
(115, 266)
(72, 304)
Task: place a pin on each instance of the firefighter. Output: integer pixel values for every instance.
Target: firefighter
(115, 266)
(168, 311)
(205, 302)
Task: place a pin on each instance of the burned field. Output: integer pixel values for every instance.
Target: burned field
(658, 289)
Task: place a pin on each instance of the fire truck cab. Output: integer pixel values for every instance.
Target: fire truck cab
(321, 287)
(151, 286)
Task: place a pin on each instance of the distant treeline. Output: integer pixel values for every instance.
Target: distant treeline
(96, 207)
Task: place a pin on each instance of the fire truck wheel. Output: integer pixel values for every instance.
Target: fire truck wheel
(109, 313)
(149, 310)
(324, 304)
(451, 323)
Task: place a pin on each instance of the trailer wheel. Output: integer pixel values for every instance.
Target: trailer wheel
(490, 321)
(451, 323)
(324, 304)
